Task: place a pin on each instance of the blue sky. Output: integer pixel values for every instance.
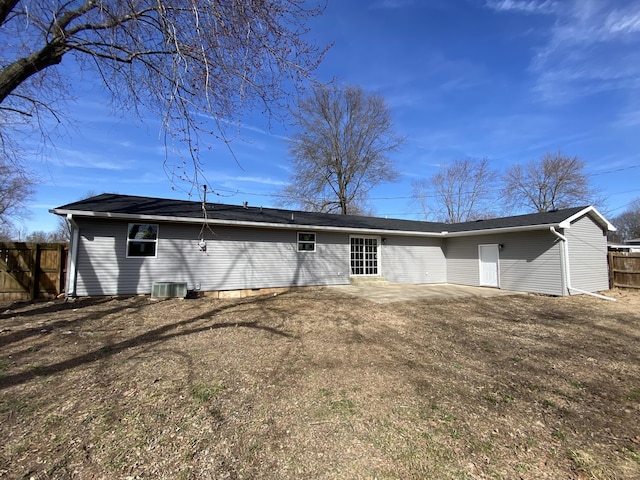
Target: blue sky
(504, 79)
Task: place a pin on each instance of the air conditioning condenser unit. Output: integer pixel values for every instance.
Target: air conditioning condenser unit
(168, 290)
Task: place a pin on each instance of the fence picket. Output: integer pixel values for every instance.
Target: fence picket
(29, 271)
(624, 270)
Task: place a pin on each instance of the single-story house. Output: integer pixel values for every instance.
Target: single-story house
(124, 244)
(634, 245)
(624, 247)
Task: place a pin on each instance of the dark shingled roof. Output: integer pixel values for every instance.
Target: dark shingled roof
(546, 218)
(118, 205)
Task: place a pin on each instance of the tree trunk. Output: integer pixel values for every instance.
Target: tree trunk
(14, 74)
(6, 7)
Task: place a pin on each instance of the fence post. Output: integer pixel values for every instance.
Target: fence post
(61, 268)
(611, 273)
(35, 256)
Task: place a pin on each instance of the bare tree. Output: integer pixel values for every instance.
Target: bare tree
(63, 231)
(627, 223)
(16, 187)
(459, 192)
(7, 232)
(190, 62)
(555, 181)
(341, 150)
(40, 236)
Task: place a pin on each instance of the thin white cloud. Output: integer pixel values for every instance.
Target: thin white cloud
(624, 22)
(238, 127)
(264, 132)
(68, 158)
(628, 119)
(149, 178)
(526, 6)
(591, 48)
(229, 180)
(393, 4)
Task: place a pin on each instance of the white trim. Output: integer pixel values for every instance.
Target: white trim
(378, 256)
(298, 241)
(72, 269)
(155, 241)
(241, 223)
(565, 224)
(365, 231)
(487, 231)
(566, 271)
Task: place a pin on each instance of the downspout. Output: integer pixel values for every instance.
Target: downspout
(566, 270)
(70, 290)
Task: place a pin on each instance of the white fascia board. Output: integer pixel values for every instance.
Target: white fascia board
(239, 223)
(598, 217)
(489, 231)
(294, 226)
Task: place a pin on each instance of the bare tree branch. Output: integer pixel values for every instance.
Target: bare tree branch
(341, 150)
(459, 192)
(627, 224)
(182, 60)
(555, 181)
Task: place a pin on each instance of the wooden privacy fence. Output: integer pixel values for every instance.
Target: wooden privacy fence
(30, 271)
(624, 270)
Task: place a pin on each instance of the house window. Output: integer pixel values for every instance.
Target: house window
(142, 240)
(306, 242)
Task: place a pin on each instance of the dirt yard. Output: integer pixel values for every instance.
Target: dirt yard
(318, 384)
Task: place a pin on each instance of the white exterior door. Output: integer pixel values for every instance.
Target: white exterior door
(489, 265)
(365, 256)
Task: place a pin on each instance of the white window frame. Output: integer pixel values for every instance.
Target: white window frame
(143, 240)
(378, 257)
(306, 242)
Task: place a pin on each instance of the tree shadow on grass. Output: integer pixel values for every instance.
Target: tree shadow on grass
(48, 327)
(157, 335)
(39, 307)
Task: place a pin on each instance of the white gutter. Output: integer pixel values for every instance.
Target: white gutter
(487, 231)
(296, 226)
(567, 272)
(241, 223)
(72, 269)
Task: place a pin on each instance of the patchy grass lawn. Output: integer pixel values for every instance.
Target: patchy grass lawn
(318, 384)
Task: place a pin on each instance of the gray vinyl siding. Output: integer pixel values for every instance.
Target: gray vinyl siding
(531, 262)
(462, 260)
(236, 258)
(253, 258)
(413, 260)
(528, 261)
(588, 255)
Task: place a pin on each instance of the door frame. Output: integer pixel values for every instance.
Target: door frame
(496, 248)
(378, 256)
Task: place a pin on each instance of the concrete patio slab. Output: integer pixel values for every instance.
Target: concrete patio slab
(401, 292)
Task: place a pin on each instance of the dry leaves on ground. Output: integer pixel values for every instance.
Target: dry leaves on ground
(315, 383)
